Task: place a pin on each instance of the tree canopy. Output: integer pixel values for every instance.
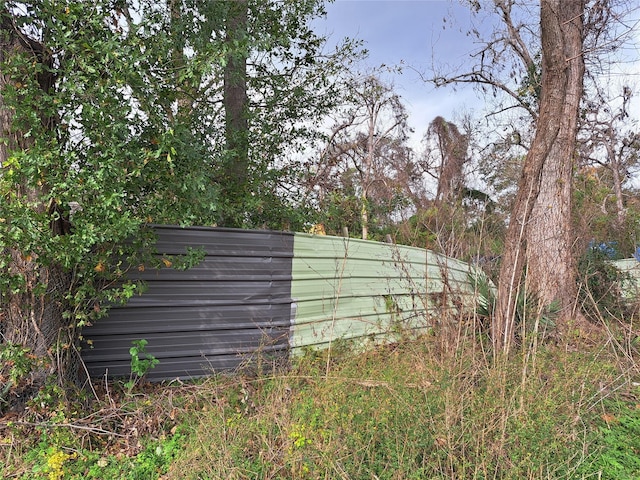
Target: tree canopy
(113, 117)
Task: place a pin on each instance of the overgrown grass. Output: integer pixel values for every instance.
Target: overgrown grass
(408, 411)
(435, 407)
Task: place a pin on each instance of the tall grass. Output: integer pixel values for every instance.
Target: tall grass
(440, 406)
(434, 407)
(425, 408)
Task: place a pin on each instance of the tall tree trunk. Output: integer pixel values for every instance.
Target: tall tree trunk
(540, 233)
(235, 186)
(178, 60)
(614, 165)
(33, 316)
(366, 170)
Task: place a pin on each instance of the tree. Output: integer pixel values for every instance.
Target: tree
(540, 231)
(236, 109)
(607, 142)
(452, 219)
(111, 118)
(37, 324)
(366, 140)
(451, 146)
(252, 82)
(66, 128)
(506, 53)
(290, 87)
(540, 72)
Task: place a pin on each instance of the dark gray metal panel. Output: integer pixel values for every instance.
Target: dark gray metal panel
(186, 368)
(209, 318)
(226, 317)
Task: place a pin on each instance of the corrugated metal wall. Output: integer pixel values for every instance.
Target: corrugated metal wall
(631, 286)
(261, 291)
(211, 317)
(347, 288)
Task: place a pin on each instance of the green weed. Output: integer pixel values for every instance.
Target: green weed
(434, 407)
(405, 412)
(615, 442)
(53, 458)
(141, 363)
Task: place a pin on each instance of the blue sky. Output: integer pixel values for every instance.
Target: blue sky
(415, 34)
(422, 33)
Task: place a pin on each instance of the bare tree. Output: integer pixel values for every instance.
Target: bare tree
(540, 70)
(506, 53)
(375, 118)
(609, 141)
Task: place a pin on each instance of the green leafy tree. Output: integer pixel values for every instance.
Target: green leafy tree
(84, 166)
(256, 82)
(111, 117)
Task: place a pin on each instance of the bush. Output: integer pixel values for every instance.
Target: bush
(601, 282)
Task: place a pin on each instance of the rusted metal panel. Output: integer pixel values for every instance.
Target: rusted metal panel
(352, 289)
(211, 317)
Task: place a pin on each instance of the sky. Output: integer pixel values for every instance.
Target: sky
(417, 34)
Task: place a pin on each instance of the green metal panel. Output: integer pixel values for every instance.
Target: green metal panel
(630, 266)
(353, 289)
